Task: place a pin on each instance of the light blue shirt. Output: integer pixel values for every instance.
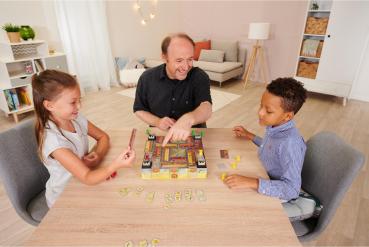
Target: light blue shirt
(282, 153)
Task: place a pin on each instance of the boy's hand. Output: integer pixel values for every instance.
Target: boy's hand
(240, 131)
(238, 182)
(126, 158)
(91, 159)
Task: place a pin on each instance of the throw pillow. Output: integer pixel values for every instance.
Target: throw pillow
(229, 47)
(199, 46)
(212, 56)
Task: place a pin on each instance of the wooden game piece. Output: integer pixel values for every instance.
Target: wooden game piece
(223, 176)
(143, 243)
(132, 139)
(155, 242)
(124, 191)
(234, 165)
(178, 196)
(150, 197)
(128, 244)
(139, 190)
(188, 194)
(224, 154)
(169, 198)
(238, 158)
(201, 195)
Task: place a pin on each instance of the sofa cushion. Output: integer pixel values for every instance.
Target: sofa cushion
(199, 46)
(212, 56)
(217, 67)
(229, 47)
(150, 63)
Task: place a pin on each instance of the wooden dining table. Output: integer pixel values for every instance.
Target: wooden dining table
(131, 211)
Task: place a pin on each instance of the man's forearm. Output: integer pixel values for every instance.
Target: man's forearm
(147, 117)
(201, 114)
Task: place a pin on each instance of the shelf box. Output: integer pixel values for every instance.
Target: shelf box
(307, 69)
(316, 25)
(24, 50)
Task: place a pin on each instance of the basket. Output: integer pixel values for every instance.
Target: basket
(307, 69)
(318, 50)
(316, 25)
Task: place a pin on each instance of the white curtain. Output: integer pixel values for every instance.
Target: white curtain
(83, 29)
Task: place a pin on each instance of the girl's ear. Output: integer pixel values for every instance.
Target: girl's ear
(48, 105)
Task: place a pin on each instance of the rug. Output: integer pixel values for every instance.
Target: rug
(220, 98)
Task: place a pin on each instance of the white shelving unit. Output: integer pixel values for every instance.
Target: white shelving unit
(18, 63)
(332, 71)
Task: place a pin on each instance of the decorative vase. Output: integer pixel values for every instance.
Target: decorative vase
(26, 32)
(14, 37)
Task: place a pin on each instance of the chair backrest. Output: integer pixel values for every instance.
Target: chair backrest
(21, 171)
(329, 168)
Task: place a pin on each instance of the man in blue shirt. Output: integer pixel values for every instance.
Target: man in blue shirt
(282, 150)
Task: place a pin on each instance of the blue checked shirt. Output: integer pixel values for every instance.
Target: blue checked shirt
(282, 153)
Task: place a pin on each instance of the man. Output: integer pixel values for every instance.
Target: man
(174, 95)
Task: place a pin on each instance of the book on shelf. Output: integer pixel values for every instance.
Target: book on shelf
(14, 95)
(39, 65)
(23, 96)
(9, 100)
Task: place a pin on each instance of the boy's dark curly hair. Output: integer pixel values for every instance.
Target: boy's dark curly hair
(291, 91)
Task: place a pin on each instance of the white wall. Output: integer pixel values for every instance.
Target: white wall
(129, 38)
(39, 15)
(229, 20)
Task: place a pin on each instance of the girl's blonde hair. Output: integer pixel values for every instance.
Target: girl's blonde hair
(48, 85)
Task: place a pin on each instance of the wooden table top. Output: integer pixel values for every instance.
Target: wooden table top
(101, 216)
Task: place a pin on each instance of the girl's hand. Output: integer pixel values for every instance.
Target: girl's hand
(126, 158)
(240, 131)
(91, 160)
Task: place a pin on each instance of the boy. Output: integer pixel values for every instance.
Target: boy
(283, 149)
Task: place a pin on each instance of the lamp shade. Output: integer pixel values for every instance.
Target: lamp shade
(259, 30)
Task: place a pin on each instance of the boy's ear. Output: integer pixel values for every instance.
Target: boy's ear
(289, 115)
(48, 105)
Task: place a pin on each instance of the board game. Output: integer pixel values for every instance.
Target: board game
(177, 160)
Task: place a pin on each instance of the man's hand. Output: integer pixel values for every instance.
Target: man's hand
(180, 130)
(238, 182)
(165, 123)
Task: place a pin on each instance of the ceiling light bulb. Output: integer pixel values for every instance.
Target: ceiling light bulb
(143, 22)
(152, 16)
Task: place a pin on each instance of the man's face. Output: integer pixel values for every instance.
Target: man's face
(271, 112)
(179, 58)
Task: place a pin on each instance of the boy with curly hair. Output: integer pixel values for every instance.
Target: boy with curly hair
(282, 149)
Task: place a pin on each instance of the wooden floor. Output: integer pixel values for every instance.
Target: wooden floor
(350, 225)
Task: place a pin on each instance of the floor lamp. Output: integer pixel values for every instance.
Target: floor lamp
(257, 31)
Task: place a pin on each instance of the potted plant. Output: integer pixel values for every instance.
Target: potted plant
(12, 31)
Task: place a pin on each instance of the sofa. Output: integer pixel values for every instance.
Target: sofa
(221, 60)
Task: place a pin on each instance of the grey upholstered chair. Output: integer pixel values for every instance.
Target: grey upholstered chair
(22, 173)
(329, 168)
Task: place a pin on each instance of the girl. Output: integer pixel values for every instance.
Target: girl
(62, 135)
